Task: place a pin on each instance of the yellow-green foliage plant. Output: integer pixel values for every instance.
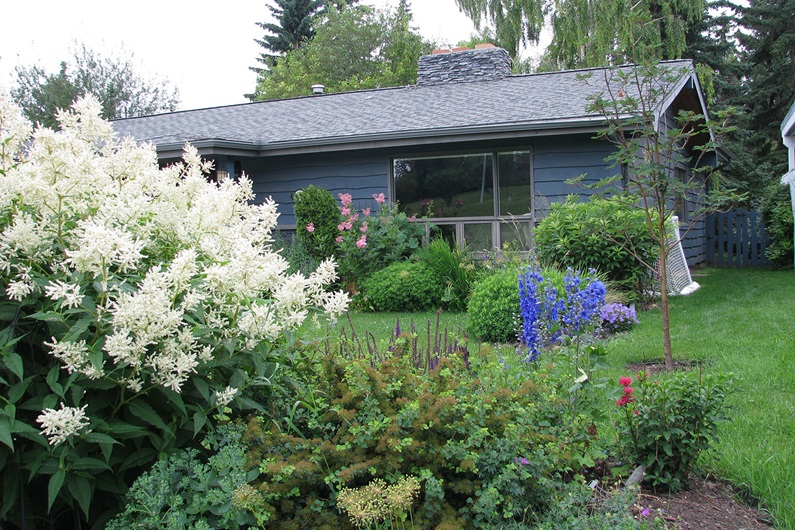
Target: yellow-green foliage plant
(489, 444)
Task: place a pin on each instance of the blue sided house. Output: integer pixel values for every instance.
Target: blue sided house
(478, 150)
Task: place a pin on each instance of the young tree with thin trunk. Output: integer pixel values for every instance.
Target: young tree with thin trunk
(669, 162)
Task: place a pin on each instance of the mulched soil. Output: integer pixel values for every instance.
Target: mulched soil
(709, 504)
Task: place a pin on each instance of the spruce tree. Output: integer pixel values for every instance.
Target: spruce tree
(293, 27)
(768, 37)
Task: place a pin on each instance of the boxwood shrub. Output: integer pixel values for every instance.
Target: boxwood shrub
(403, 286)
(493, 308)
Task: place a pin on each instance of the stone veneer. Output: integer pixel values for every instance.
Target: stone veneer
(480, 64)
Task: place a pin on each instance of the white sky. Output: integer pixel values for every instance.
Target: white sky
(204, 48)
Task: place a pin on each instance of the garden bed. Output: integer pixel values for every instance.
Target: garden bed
(709, 504)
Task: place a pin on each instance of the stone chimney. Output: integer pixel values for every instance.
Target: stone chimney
(462, 65)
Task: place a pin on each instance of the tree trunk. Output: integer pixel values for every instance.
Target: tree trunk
(666, 322)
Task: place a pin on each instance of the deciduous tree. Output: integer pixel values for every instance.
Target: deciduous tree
(121, 91)
(354, 48)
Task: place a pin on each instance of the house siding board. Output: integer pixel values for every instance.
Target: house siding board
(360, 174)
(566, 158)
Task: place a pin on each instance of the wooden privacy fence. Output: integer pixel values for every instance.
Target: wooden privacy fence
(736, 239)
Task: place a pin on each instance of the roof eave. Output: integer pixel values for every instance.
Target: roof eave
(208, 146)
(578, 125)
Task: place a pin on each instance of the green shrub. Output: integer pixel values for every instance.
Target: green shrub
(403, 286)
(665, 424)
(777, 215)
(316, 219)
(599, 234)
(454, 267)
(489, 445)
(493, 307)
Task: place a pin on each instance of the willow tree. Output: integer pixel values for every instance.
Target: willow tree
(589, 33)
(515, 22)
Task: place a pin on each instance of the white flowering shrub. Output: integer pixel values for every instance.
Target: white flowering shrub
(137, 302)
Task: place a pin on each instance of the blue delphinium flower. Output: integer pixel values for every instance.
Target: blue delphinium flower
(553, 318)
(530, 307)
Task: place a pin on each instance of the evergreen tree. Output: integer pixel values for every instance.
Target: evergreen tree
(769, 41)
(712, 42)
(293, 28)
(768, 38)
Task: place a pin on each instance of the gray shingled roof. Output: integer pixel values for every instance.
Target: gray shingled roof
(517, 102)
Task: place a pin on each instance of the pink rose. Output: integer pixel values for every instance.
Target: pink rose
(346, 211)
(341, 227)
(363, 228)
(366, 212)
(345, 199)
(379, 198)
(339, 239)
(310, 227)
(362, 242)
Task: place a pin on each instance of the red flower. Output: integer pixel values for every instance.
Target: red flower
(628, 390)
(625, 381)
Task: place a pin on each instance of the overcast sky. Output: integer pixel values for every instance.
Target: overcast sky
(204, 48)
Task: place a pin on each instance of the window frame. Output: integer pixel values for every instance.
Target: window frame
(496, 220)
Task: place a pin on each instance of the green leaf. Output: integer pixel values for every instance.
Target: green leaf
(8, 312)
(126, 430)
(5, 432)
(80, 488)
(174, 398)
(77, 329)
(89, 463)
(138, 458)
(144, 410)
(199, 421)
(202, 386)
(13, 361)
(99, 438)
(48, 316)
(56, 481)
(10, 490)
(18, 390)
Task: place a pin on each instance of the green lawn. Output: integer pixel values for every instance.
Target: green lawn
(740, 321)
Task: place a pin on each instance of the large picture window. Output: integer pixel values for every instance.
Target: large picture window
(458, 193)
